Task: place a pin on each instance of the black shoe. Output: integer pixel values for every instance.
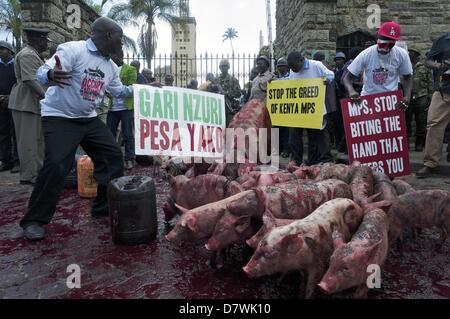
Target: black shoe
(15, 169)
(26, 183)
(100, 205)
(6, 167)
(34, 232)
(426, 172)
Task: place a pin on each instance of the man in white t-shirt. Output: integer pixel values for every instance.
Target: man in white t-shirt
(78, 75)
(383, 65)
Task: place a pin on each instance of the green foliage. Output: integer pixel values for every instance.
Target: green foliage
(11, 20)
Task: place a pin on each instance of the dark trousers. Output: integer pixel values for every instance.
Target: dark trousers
(417, 108)
(126, 119)
(8, 144)
(62, 137)
(319, 146)
(283, 139)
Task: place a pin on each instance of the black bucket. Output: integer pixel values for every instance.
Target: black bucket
(132, 210)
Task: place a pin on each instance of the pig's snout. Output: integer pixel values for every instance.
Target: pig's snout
(212, 245)
(327, 285)
(251, 270)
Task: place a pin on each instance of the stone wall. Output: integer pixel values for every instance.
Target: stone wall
(53, 15)
(307, 25)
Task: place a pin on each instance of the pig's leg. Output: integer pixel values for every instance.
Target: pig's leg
(216, 260)
(315, 274)
(361, 292)
(302, 287)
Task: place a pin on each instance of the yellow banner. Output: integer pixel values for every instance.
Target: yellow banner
(296, 103)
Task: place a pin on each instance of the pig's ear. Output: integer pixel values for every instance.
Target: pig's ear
(372, 198)
(292, 243)
(312, 244)
(338, 239)
(268, 219)
(384, 205)
(242, 223)
(181, 209)
(191, 224)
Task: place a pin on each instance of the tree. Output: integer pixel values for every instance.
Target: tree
(11, 21)
(128, 14)
(230, 34)
(96, 7)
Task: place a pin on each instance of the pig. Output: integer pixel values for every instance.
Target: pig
(334, 171)
(173, 166)
(199, 223)
(384, 186)
(361, 184)
(350, 261)
(306, 244)
(208, 189)
(298, 200)
(256, 179)
(421, 209)
(402, 187)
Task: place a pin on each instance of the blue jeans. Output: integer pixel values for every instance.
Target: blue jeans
(126, 118)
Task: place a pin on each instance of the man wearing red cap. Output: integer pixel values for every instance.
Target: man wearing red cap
(383, 65)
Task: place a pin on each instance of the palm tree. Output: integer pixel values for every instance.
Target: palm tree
(128, 14)
(10, 20)
(230, 34)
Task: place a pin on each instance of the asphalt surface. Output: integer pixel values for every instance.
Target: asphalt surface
(163, 270)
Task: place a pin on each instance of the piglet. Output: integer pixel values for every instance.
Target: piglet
(305, 245)
(350, 261)
(402, 187)
(421, 209)
(361, 184)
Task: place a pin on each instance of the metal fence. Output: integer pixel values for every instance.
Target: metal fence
(184, 68)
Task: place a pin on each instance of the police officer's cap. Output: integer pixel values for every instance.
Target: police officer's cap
(263, 58)
(224, 63)
(7, 45)
(37, 32)
(282, 62)
(414, 49)
(340, 55)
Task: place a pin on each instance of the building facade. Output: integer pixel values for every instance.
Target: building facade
(339, 25)
(184, 47)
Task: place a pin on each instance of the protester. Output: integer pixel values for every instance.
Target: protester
(8, 145)
(283, 71)
(169, 80)
(419, 103)
(148, 75)
(140, 77)
(193, 85)
(259, 84)
(320, 57)
(122, 110)
(231, 90)
(78, 74)
(337, 119)
(382, 65)
(248, 86)
(438, 59)
(319, 149)
(24, 103)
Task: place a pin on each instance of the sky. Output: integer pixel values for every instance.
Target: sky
(213, 17)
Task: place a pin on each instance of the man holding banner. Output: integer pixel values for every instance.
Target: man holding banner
(375, 125)
(319, 148)
(382, 65)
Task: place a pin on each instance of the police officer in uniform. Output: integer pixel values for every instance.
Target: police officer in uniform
(231, 88)
(419, 101)
(24, 103)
